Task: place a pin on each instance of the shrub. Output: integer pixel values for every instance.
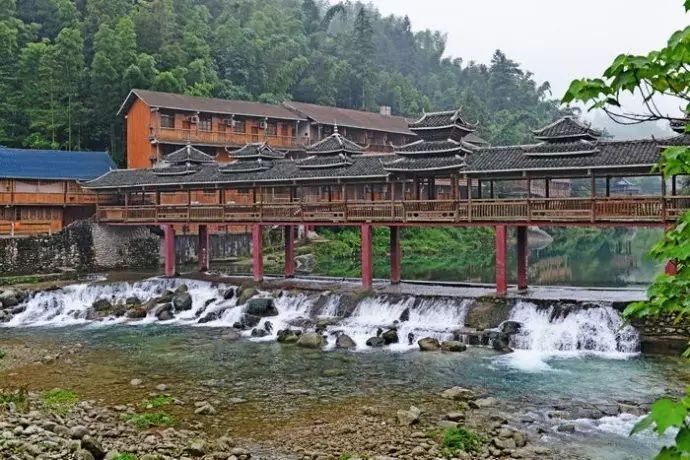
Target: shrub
(125, 456)
(59, 401)
(2, 354)
(460, 440)
(158, 401)
(17, 397)
(146, 421)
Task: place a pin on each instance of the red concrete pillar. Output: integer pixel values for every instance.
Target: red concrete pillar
(257, 253)
(367, 257)
(501, 266)
(671, 268)
(522, 256)
(202, 254)
(289, 251)
(396, 255)
(169, 250)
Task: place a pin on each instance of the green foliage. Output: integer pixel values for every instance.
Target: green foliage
(158, 401)
(2, 354)
(455, 440)
(59, 401)
(17, 397)
(428, 253)
(149, 420)
(66, 67)
(660, 72)
(125, 456)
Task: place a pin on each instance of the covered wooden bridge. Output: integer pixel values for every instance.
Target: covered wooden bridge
(568, 177)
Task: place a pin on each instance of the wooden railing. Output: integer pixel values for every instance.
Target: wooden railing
(222, 138)
(61, 199)
(529, 211)
(26, 228)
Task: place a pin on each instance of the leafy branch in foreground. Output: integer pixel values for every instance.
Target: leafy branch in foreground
(661, 73)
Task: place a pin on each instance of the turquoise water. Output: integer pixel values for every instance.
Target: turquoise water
(283, 377)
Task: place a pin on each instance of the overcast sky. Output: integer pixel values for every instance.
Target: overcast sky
(557, 40)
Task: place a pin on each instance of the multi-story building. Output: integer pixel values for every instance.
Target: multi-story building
(159, 123)
(40, 191)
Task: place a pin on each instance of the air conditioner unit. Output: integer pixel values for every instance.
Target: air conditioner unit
(193, 119)
(263, 124)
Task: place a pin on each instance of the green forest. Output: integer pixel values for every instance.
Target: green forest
(67, 65)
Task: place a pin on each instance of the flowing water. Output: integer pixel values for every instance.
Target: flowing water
(567, 358)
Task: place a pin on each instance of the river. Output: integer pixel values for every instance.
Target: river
(578, 370)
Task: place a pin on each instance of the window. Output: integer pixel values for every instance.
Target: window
(240, 126)
(205, 123)
(271, 129)
(167, 120)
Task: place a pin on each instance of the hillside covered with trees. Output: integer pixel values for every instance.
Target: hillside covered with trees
(66, 65)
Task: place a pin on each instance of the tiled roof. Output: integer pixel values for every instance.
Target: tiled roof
(188, 154)
(680, 140)
(246, 166)
(566, 128)
(207, 104)
(447, 147)
(335, 144)
(437, 120)
(53, 164)
(423, 164)
(631, 154)
(368, 167)
(549, 149)
(257, 150)
(350, 118)
(330, 161)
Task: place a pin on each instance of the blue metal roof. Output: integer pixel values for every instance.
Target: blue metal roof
(53, 164)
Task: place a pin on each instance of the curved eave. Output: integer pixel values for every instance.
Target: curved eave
(582, 136)
(562, 154)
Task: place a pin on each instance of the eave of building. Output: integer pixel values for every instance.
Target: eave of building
(642, 169)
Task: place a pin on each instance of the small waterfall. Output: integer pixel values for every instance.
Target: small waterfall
(416, 318)
(596, 328)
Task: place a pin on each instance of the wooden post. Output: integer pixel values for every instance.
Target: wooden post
(522, 258)
(289, 236)
(396, 255)
(501, 265)
(367, 256)
(491, 189)
(203, 251)
(257, 253)
(608, 186)
(169, 250)
(547, 188)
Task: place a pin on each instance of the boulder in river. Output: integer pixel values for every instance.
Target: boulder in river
(182, 302)
(288, 336)
(102, 305)
(459, 394)
(244, 294)
(500, 341)
(261, 308)
(510, 327)
(311, 340)
(164, 312)
(429, 344)
(376, 342)
(345, 342)
(9, 298)
(211, 316)
(390, 336)
(136, 313)
(453, 346)
(259, 332)
(228, 294)
(408, 417)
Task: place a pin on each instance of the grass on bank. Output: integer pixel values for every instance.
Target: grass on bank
(125, 456)
(2, 354)
(158, 402)
(17, 397)
(149, 420)
(455, 440)
(59, 401)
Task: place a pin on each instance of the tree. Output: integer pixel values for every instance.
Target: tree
(663, 72)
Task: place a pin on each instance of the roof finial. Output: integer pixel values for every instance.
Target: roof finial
(335, 127)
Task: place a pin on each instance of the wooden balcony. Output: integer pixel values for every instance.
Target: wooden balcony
(29, 228)
(542, 211)
(221, 138)
(81, 198)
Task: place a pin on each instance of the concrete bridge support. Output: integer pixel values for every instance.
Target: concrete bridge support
(501, 260)
(396, 255)
(367, 253)
(257, 253)
(289, 237)
(522, 256)
(169, 250)
(203, 251)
